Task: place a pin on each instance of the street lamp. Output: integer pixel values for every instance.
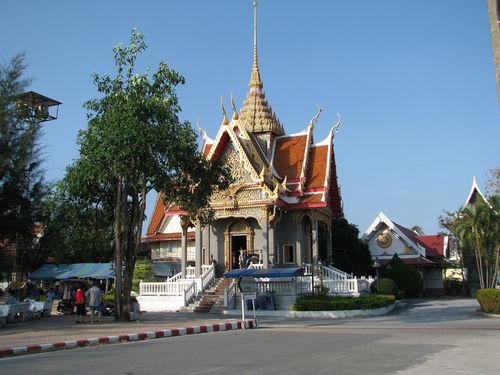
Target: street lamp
(32, 108)
(376, 265)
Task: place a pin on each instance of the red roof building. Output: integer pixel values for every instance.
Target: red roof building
(285, 190)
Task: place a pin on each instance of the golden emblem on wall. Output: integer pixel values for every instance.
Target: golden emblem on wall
(384, 240)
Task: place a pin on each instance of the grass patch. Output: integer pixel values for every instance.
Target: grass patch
(327, 303)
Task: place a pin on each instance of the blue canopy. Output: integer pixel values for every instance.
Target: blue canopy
(73, 271)
(270, 272)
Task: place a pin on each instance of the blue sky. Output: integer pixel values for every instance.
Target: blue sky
(413, 80)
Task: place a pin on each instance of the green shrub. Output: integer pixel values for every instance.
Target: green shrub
(453, 287)
(321, 290)
(489, 299)
(109, 298)
(385, 286)
(326, 303)
(143, 270)
(407, 278)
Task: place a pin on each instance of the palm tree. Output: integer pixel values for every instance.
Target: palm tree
(418, 230)
(477, 226)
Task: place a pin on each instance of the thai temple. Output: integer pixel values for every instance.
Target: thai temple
(278, 211)
(284, 195)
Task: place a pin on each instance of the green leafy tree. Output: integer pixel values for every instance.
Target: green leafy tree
(76, 230)
(350, 254)
(22, 187)
(134, 143)
(477, 227)
(406, 277)
(418, 230)
(143, 272)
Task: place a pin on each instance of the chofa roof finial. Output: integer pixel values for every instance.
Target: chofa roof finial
(235, 112)
(315, 118)
(225, 121)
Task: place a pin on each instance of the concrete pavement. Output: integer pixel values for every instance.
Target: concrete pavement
(440, 336)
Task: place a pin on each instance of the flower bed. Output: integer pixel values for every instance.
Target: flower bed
(326, 303)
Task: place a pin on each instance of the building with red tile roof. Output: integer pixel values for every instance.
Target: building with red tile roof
(285, 190)
(429, 254)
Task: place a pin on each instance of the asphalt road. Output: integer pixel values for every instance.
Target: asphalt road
(428, 337)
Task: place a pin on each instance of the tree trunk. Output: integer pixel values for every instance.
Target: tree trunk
(118, 251)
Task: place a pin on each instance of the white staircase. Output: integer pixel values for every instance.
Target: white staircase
(337, 281)
(176, 292)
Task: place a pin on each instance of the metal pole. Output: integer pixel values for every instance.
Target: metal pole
(254, 316)
(243, 311)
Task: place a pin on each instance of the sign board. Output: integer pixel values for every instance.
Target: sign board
(251, 295)
(246, 284)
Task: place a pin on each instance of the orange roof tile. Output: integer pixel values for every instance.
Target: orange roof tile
(206, 149)
(157, 215)
(317, 165)
(289, 155)
(311, 198)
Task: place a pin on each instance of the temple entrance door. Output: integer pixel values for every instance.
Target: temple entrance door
(238, 242)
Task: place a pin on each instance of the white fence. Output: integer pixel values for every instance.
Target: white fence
(176, 292)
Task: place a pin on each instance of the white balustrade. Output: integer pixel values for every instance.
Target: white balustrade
(258, 266)
(189, 293)
(175, 278)
(164, 288)
(207, 277)
(190, 272)
(230, 295)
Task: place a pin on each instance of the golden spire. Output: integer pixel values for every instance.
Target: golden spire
(256, 113)
(255, 81)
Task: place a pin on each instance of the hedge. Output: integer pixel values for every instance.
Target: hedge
(489, 299)
(385, 286)
(325, 303)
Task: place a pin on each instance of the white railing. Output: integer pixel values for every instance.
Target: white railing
(175, 278)
(206, 267)
(230, 295)
(189, 293)
(190, 272)
(207, 277)
(329, 272)
(275, 286)
(164, 288)
(364, 284)
(334, 273)
(258, 266)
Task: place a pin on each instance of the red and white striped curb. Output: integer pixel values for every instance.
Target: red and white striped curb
(170, 332)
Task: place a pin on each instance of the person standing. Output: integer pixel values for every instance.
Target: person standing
(94, 296)
(80, 305)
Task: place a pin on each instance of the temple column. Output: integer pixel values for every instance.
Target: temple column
(270, 245)
(209, 229)
(329, 243)
(198, 246)
(315, 249)
(299, 230)
(184, 226)
(265, 243)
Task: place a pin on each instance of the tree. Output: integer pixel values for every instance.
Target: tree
(350, 254)
(22, 185)
(406, 277)
(76, 230)
(493, 183)
(418, 230)
(134, 143)
(477, 227)
(143, 271)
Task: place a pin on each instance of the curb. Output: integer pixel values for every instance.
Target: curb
(150, 335)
